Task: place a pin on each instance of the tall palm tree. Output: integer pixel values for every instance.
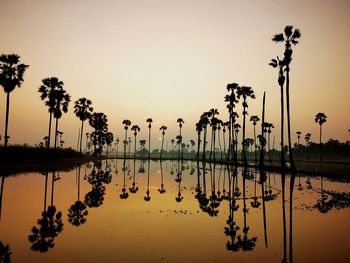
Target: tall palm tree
(213, 123)
(180, 121)
(254, 119)
(199, 129)
(291, 36)
(149, 121)
(281, 79)
(236, 128)
(83, 110)
(320, 118)
(136, 129)
(109, 141)
(62, 99)
(231, 99)
(163, 129)
(298, 134)
(205, 121)
(49, 85)
(11, 76)
(126, 124)
(245, 92)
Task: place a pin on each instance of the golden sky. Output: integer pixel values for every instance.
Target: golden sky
(169, 59)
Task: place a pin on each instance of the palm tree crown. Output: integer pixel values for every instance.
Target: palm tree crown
(320, 118)
(83, 109)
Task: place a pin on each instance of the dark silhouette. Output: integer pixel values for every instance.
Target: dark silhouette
(231, 99)
(109, 141)
(281, 79)
(163, 129)
(290, 36)
(11, 76)
(124, 194)
(298, 136)
(149, 120)
(254, 119)
(99, 122)
(147, 198)
(126, 124)
(320, 118)
(245, 92)
(83, 110)
(136, 129)
(161, 189)
(180, 121)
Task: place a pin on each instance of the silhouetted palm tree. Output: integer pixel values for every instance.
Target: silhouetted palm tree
(291, 36)
(269, 126)
(136, 129)
(163, 129)
(255, 120)
(320, 118)
(204, 120)
(126, 124)
(298, 134)
(99, 122)
(11, 76)
(231, 99)
(280, 64)
(62, 99)
(161, 189)
(149, 120)
(83, 110)
(236, 128)
(147, 198)
(245, 92)
(180, 121)
(47, 89)
(109, 141)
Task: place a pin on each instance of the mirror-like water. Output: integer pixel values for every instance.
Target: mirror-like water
(141, 211)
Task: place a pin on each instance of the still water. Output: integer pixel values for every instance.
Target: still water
(147, 211)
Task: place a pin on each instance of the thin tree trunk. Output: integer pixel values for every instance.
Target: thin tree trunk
(283, 164)
(161, 151)
(256, 156)
(198, 145)
(126, 136)
(149, 143)
(135, 147)
(45, 193)
(56, 133)
(291, 159)
(243, 140)
(321, 143)
(204, 143)
(7, 117)
(2, 192)
(49, 139)
(81, 137)
(261, 161)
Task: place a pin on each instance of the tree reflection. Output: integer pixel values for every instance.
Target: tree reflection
(97, 178)
(133, 189)
(124, 194)
(77, 213)
(161, 189)
(5, 253)
(49, 225)
(147, 198)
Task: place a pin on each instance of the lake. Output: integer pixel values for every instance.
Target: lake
(147, 211)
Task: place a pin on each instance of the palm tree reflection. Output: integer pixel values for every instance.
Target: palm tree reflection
(133, 189)
(5, 253)
(124, 194)
(161, 189)
(77, 213)
(147, 198)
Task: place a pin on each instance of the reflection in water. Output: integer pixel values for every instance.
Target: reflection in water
(5, 253)
(50, 224)
(97, 178)
(77, 213)
(238, 200)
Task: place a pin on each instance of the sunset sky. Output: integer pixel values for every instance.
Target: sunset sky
(168, 59)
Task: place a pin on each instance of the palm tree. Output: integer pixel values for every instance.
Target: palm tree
(62, 99)
(109, 140)
(11, 76)
(163, 129)
(255, 120)
(205, 121)
(280, 64)
(180, 121)
(320, 118)
(298, 134)
(126, 124)
(136, 129)
(83, 110)
(213, 123)
(231, 99)
(225, 124)
(99, 122)
(149, 120)
(269, 126)
(245, 92)
(291, 36)
(236, 128)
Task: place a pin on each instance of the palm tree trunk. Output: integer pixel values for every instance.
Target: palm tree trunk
(321, 142)
(284, 220)
(49, 139)
(161, 151)
(198, 145)
(149, 143)
(283, 164)
(291, 159)
(292, 178)
(243, 140)
(2, 191)
(81, 137)
(204, 140)
(56, 133)
(135, 147)
(52, 187)
(126, 136)
(7, 117)
(45, 192)
(261, 161)
(214, 145)
(256, 156)
(219, 144)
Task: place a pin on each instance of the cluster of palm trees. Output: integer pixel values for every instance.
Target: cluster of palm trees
(209, 118)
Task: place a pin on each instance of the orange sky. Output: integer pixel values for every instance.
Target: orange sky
(169, 59)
